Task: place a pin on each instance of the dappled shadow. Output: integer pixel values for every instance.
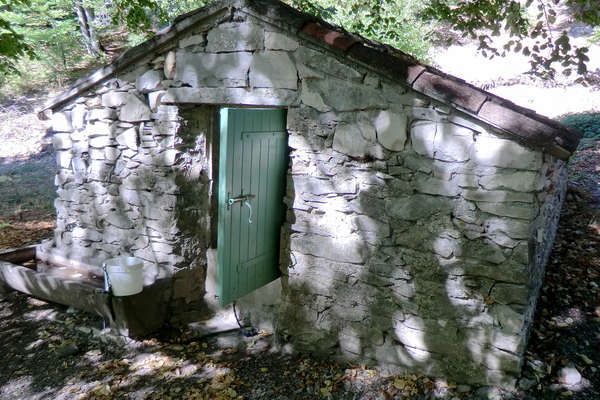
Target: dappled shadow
(406, 264)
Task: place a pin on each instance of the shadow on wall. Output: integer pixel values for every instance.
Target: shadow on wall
(399, 259)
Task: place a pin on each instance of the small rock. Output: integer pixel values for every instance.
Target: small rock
(570, 376)
(526, 384)
(67, 350)
(463, 388)
(488, 393)
(84, 329)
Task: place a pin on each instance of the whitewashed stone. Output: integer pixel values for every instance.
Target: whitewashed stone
(63, 159)
(101, 113)
(306, 72)
(129, 138)
(193, 40)
(249, 97)
(78, 115)
(273, 69)
(169, 157)
(452, 142)
(134, 110)
(503, 153)
(441, 141)
(497, 196)
(437, 186)
(208, 69)
(327, 65)
(515, 210)
(391, 130)
(520, 181)
(345, 96)
(513, 228)
(371, 80)
(312, 98)
(357, 140)
(97, 154)
(61, 122)
(279, 41)
(114, 99)
(234, 37)
(422, 134)
(466, 180)
(169, 68)
(62, 141)
(345, 250)
(100, 141)
(417, 207)
(148, 81)
(99, 128)
(154, 99)
(317, 186)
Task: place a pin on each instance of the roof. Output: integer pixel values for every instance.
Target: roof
(524, 124)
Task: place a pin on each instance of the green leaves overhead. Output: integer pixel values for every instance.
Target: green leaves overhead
(531, 27)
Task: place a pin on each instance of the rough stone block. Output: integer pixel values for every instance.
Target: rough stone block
(273, 69)
(235, 37)
(317, 186)
(62, 141)
(391, 129)
(99, 128)
(61, 122)
(208, 69)
(78, 115)
(442, 141)
(437, 186)
(505, 293)
(63, 159)
(279, 41)
(452, 142)
(101, 113)
(417, 207)
(100, 142)
(134, 110)
(357, 140)
(148, 81)
(193, 40)
(514, 210)
(114, 99)
(129, 138)
(345, 250)
(516, 229)
(240, 96)
(327, 65)
(342, 95)
(503, 153)
(422, 134)
(497, 196)
(520, 181)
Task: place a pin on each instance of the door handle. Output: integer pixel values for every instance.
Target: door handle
(247, 204)
(244, 199)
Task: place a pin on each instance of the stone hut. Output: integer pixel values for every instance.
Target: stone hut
(363, 205)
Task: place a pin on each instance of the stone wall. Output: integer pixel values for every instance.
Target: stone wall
(415, 236)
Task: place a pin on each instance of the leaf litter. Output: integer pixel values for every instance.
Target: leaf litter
(50, 351)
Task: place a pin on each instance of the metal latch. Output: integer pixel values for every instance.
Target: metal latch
(245, 199)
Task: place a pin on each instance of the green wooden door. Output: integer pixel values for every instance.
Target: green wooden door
(253, 162)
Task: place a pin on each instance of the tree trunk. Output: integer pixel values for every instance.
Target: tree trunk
(85, 17)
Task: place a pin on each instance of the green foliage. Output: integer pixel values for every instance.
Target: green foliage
(588, 123)
(484, 19)
(393, 22)
(49, 30)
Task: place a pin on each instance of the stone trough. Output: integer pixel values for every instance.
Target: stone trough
(38, 273)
